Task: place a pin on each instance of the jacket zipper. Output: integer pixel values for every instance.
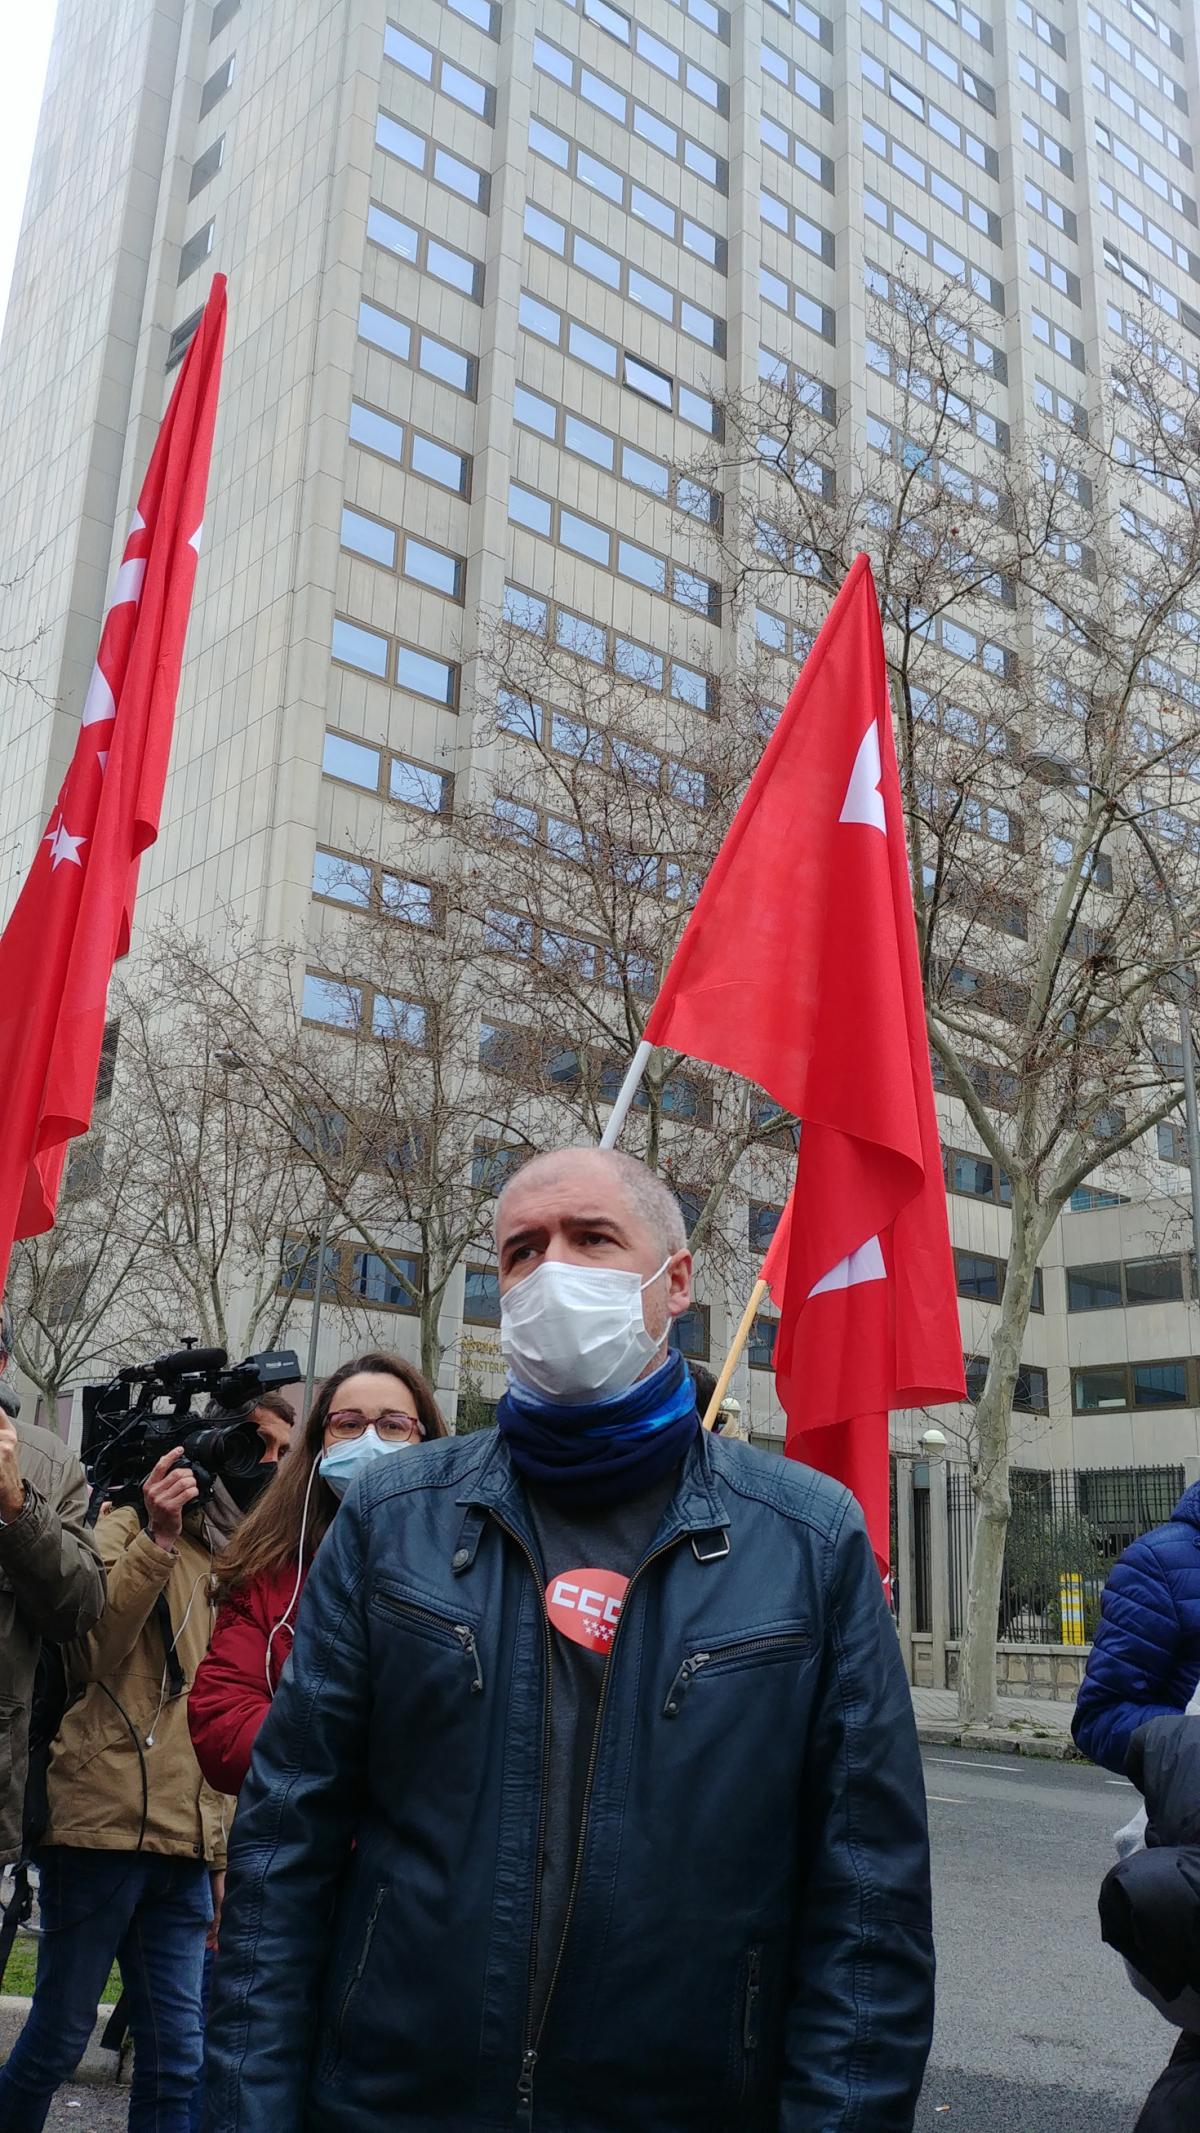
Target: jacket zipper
(692, 1666)
(529, 2056)
(462, 1632)
(530, 2060)
(359, 1970)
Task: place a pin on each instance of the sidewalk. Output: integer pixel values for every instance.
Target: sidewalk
(1030, 1728)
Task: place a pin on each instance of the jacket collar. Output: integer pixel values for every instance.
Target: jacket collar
(696, 1509)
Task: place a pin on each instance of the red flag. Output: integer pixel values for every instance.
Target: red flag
(799, 969)
(73, 917)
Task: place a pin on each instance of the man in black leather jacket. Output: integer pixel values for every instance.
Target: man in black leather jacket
(590, 1801)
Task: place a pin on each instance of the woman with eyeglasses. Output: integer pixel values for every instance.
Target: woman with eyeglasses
(370, 1408)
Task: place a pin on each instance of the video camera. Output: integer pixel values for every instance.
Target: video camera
(148, 1407)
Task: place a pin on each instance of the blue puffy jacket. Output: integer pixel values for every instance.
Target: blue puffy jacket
(748, 1948)
(1145, 1662)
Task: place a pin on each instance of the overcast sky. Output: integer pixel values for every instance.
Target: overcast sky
(26, 47)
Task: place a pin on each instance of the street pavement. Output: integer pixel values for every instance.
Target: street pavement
(1037, 2031)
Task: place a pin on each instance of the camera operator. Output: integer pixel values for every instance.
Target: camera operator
(134, 1849)
(51, 1579)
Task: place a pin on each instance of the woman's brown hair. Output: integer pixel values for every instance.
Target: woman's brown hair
(268, 1538)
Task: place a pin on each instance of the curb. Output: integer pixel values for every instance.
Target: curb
(1048, 1747)
(96, 2069)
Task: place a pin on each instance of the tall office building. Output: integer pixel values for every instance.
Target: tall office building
(490, 264)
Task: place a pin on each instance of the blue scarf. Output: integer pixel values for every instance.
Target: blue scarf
(609, 1451)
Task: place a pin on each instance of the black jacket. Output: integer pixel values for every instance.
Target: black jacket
(749, 1945)
(1150, 1902)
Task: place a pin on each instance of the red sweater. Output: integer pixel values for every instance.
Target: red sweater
(230, 1696)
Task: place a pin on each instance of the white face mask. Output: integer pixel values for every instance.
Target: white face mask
(342, 1462)
(577, 1332)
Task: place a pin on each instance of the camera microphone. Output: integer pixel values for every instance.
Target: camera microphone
(191, 1362)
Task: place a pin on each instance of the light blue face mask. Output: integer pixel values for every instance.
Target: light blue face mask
(340, 1464)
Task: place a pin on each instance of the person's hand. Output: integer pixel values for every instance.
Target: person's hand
(167, 1492)
(12, 1488)
(217, 1884)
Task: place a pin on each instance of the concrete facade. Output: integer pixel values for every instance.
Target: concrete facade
(384, 193)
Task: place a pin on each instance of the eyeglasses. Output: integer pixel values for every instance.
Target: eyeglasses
(394, 1427)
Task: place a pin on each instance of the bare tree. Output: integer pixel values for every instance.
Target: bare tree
(1041, 616)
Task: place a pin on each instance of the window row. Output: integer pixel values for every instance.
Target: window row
(565, 839)
(1059, 277)
(382, 770)
(1046, 32)
(819, 27)
(951, 263)
(934, 709)
(797, 303)
(1124, 1387)
(982, 1278)
(1035, 136)
(527, 1055)
(976, 1177)
(388, 659)
(1143, 168)
(1052, 210)
(1133, 329)
(709, 17)
(338, 1003)
(1044, 84)
(1122, 1284)
(637, 376)
(648, 125)
(427, 253)
(624, 192)
(800, 385)
(931, 180)
(995, 1086)
(626, 461)
(1155, 24)
(586, 537)
(796, 225)
(1137, 527)
(922, 107)
(891, 289)
(780, 634)
(656, 52)
(930, 392)
(376, 540)
(411, 449)
(795, 150)
(916, 458)
(1140, 61)
(791, 75)
(1133, 108)
(1031, 1393)
(337, 878)
(984, 990)
(604, 647)
(616, 753)
(421, 154)
(966, 644)
(1071, 413)
(420, 350)
(1152, 231)
(1148, 285)
(485, 14)
(512, 933)
(350, 1275)
(616, 273)
(441, 73)
(1067, 345)
(935, 55)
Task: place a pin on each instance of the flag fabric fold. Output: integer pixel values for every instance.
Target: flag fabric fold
(799, 969)
(73, 918)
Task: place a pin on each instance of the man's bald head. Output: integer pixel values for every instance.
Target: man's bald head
(647, 1198)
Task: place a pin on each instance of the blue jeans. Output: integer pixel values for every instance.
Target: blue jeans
(151, 1914)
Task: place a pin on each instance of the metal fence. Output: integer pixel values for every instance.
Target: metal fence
(1068, 1527)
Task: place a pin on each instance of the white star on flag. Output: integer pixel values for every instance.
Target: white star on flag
(64, 846)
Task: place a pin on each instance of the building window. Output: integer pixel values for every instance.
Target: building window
(393, 1281)
(689, 1334)
(1110, 1285)
(196, 250)
(223, 13)
(481, 1296)
(982, 1278)
(760, 1349)
(216, 85)
(206, 166)
(1123, 1387)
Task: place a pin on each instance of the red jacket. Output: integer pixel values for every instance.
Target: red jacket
(231, 1695)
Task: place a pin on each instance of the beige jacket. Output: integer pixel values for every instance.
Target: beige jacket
(123, 1776)
(51, 1586)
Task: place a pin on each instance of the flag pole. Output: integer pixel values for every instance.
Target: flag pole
(625, 1095)
(735, 1351)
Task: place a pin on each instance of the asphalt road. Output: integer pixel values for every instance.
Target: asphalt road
(1037, 2031)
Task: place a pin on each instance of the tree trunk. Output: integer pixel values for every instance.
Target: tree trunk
(977, 1694)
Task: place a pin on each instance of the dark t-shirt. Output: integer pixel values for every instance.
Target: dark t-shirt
(589, 1558)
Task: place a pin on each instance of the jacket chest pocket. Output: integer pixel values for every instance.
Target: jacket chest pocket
(429, 1627)
(775, 1648)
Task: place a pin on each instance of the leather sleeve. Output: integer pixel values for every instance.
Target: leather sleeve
(861, 2021)
(52, 1560)
(292, 1836)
